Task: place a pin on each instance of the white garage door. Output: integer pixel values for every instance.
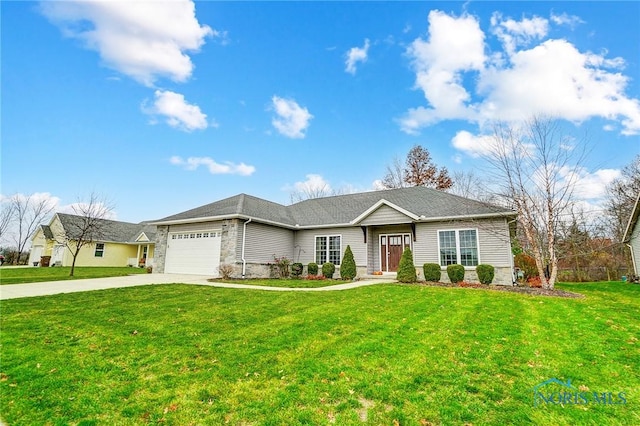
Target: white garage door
(194, 252)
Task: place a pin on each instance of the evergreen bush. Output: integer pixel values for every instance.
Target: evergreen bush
(455, 273)
(296, 269)
(406, 269)
(328, 269)
(312, 268)
(432, 272)
(348, 265)
(485, 273)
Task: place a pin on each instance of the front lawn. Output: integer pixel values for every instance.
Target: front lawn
(34, 275)
(382, 354)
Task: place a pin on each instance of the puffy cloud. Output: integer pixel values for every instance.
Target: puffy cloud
(291, 119)
(142, 39)
(474, 145)
(177, 112)
(228, 168)
(355, 55)
(313, 185)
(546, 77)
(589, 186)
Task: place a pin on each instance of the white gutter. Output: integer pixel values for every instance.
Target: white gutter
(244, 237)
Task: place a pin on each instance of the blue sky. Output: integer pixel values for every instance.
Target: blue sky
(163, 107)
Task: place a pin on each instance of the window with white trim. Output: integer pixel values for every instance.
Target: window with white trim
(99, 252)
(458, 246)
(328, 249)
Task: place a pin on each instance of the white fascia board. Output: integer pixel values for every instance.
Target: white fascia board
(632, 220)
(468, 216)
(377, 205)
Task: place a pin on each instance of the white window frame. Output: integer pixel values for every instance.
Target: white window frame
(104, 249)
(458, 256)
(315, 248)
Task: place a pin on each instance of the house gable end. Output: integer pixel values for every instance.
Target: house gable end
(385, 213)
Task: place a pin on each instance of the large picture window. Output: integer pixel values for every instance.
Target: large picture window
(328, 249)
(458, 246)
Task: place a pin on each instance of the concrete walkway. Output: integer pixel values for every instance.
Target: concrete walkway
(15, 291)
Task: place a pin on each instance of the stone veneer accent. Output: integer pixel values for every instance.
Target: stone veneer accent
(161, 249)
(229, 244)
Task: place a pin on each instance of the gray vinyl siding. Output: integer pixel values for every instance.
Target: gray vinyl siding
(634, 241)
(305, 244)
(385, 215)
(200, 226)
(493, 240)
(265, 241)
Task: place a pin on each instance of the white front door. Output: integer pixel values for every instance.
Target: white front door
(36, 253)
(56, 256)
(194, 252)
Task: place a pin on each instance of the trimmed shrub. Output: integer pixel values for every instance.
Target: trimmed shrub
(348, 265)
(485, 273)
(328, 269)
(296, 269)
(406, 269)
(455, 273)
(432, 271)
(312, 268)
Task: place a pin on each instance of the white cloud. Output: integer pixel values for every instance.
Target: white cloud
(292, 120)
(563, 19)
(229, 168)
(474, 145)
(548, 77)
(313, 185)
(589, 186)
(142, 39)
(355, 55)
(177, 112)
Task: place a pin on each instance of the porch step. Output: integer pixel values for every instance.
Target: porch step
(386, 276)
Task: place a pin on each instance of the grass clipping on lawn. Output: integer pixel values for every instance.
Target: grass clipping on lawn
(382, 355)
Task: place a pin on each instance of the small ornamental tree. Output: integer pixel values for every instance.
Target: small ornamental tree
(406, 269)
(455, 273)
(348, 265)
(312, 268)
(485, 273)
(431, 271)
(328, 269)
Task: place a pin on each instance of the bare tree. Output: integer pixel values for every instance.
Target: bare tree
(395, 175)
(469, 185)
(419, 170)
(537, 171)
(29, 212)
(88, 226)
(6, 218)
(621, 196)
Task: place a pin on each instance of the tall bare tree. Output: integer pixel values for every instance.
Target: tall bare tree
(469, 185)
(6, 218)
(29, 212)
(621, 196)
(88, 226)
(537, 169)
(419, 170)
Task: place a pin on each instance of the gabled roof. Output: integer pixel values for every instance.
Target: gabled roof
(417, 203)
(46, 231)
(633, 220)
(112, 230)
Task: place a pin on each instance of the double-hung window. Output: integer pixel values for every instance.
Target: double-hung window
(328, 249)
(99, 250)
(459, 246)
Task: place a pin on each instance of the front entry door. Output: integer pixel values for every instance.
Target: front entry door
(391, 248)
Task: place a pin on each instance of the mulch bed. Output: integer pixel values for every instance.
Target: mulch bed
(531, 291)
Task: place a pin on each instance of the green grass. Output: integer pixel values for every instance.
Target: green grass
(183, 354)
(33, 275)
(290, 283)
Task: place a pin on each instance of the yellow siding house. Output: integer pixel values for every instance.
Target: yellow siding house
(120, 243)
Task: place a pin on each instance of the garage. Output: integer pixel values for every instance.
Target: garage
(193, 252)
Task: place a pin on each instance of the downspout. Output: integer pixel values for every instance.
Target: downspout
(244, 239)
(514, 278)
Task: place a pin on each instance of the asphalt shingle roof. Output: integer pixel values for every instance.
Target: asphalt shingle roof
(342, 209)
(113, 231)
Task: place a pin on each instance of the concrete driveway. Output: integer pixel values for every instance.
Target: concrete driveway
(15, 291)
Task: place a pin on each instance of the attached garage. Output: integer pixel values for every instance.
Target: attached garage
(193, 252)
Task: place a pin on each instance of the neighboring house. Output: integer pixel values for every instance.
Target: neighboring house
(247, 232)
(632, 236)
(121, 244)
